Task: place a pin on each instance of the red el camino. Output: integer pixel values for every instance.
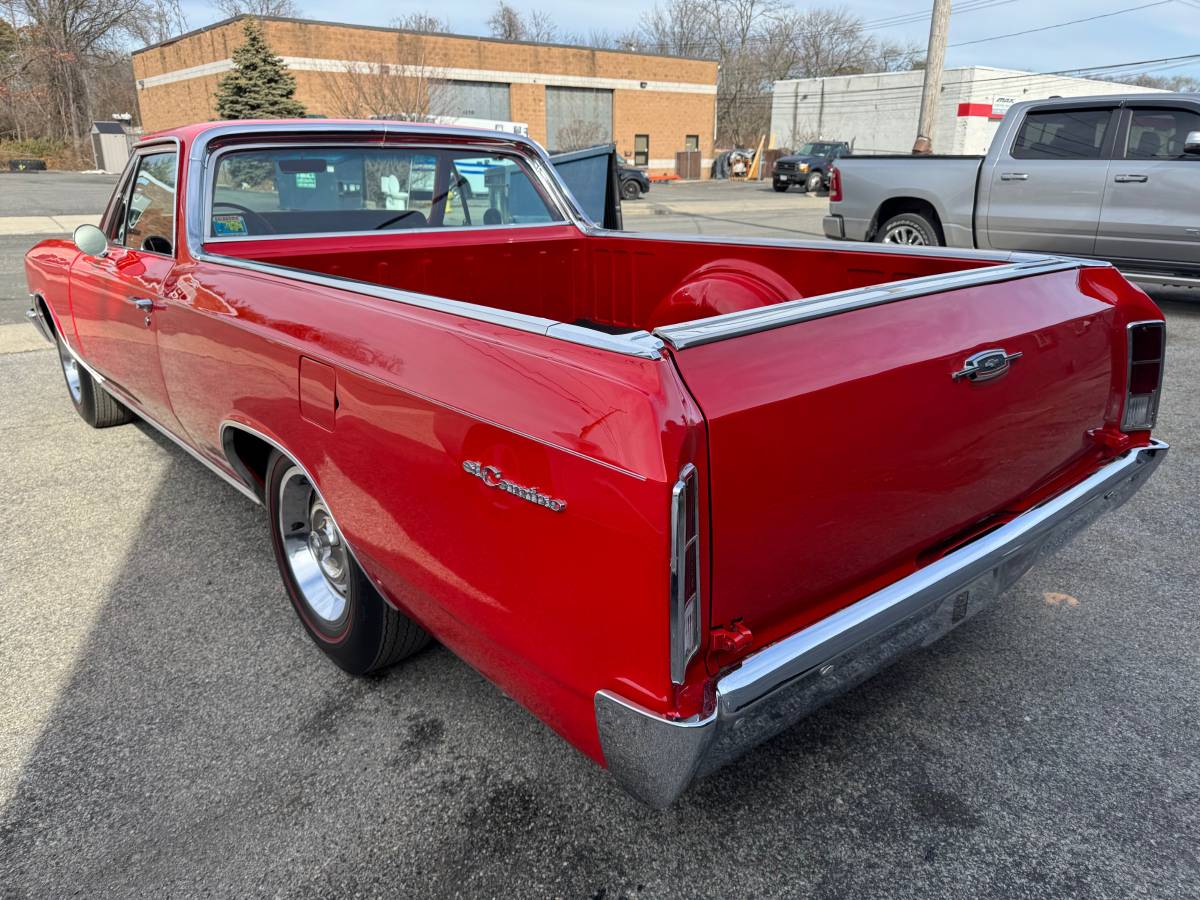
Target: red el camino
(671, 493)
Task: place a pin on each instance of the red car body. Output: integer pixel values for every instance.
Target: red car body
(425, 378)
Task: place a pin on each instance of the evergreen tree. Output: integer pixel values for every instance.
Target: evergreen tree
(259, 87)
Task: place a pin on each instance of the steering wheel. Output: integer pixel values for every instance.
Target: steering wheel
(245, 210)
(408, 213)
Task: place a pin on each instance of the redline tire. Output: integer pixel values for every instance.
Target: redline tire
(341, 610)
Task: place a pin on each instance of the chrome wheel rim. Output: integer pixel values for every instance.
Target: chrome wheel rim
(314, 548)
(904, 234)
(71, 371)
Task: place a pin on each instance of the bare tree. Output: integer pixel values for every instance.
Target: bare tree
(402, 86)
(62, 49)
(505, 22)
(285, 8)
(510, 24)
(757, 42)
(424, 22)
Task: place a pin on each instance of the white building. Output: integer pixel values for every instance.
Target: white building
(878, 113)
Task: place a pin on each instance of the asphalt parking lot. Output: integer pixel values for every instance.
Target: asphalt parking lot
(167, 729)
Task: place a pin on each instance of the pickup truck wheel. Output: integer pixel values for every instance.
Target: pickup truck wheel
(780, 186)
(630, 190)
(95, 405)
(908, 228)
(815, 182)
(341, 610)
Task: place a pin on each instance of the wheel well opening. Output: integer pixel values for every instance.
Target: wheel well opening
(249, 455)
(897, 205)
(44, 311)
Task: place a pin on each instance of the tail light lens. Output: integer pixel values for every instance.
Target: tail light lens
(685, 572)
(835, 185)
(1147, 353)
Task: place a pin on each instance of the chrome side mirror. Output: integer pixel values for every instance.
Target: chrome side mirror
(1191, 144)
(91, 241)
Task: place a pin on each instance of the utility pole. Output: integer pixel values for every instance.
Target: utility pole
(935, 59)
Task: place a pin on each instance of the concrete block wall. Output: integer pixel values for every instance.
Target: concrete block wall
(177, 79)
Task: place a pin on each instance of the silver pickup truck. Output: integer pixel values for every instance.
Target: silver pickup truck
(1117, 178)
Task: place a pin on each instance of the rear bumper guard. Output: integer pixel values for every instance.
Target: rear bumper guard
(655, 758)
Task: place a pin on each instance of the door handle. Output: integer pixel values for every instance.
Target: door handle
(1013, 176)
(145, 304)
(1131, 179)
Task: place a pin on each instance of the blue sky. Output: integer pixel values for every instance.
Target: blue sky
(1170, 29)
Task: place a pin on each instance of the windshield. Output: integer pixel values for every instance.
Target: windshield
(817, 149)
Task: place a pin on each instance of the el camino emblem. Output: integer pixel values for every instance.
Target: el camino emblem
(986, 365)
(494, 478)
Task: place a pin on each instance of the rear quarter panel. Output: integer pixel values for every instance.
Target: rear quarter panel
(550, 606)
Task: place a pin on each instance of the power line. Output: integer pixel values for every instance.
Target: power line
(1107, 15)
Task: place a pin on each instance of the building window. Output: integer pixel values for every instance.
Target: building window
(470, 100)
(691, 142)
(641, 149)
(578, 118)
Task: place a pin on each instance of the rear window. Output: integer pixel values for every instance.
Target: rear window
(1062, 134)
(294, 191)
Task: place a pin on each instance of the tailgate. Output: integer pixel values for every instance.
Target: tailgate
(844, 453)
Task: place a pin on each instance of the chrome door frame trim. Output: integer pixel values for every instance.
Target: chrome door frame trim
(124, 397)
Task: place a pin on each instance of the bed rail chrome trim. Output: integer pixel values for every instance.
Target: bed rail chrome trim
(654, 757)
(737, 324)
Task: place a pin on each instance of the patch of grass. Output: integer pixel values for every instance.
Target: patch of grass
(57, 154)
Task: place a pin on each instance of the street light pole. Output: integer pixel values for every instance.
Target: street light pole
(935, 59)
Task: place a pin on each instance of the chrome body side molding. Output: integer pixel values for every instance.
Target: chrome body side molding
(654, 758)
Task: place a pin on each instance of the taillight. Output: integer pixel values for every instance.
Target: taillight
(1147, 352)
(835, 185)
(685, 572)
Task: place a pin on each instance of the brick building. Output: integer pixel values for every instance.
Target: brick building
(651, 106)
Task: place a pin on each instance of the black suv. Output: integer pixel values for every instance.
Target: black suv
(634, 182)
(809, 166)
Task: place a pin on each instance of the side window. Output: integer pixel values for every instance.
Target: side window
(1160, 133)
(493, 190)
(150, 217)
(1062, 134)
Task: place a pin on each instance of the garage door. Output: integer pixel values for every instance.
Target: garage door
(470, 100)
(578, 118)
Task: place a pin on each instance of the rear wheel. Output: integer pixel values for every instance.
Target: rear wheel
(908, 228)
(95, 405)
(630, 190)
(341, 610)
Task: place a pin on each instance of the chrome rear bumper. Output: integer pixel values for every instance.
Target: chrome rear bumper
(655, 758)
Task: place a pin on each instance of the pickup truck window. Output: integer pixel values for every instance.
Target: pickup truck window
(319, 190)
(1160, 133)
(149, 224)
(1062, 134)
